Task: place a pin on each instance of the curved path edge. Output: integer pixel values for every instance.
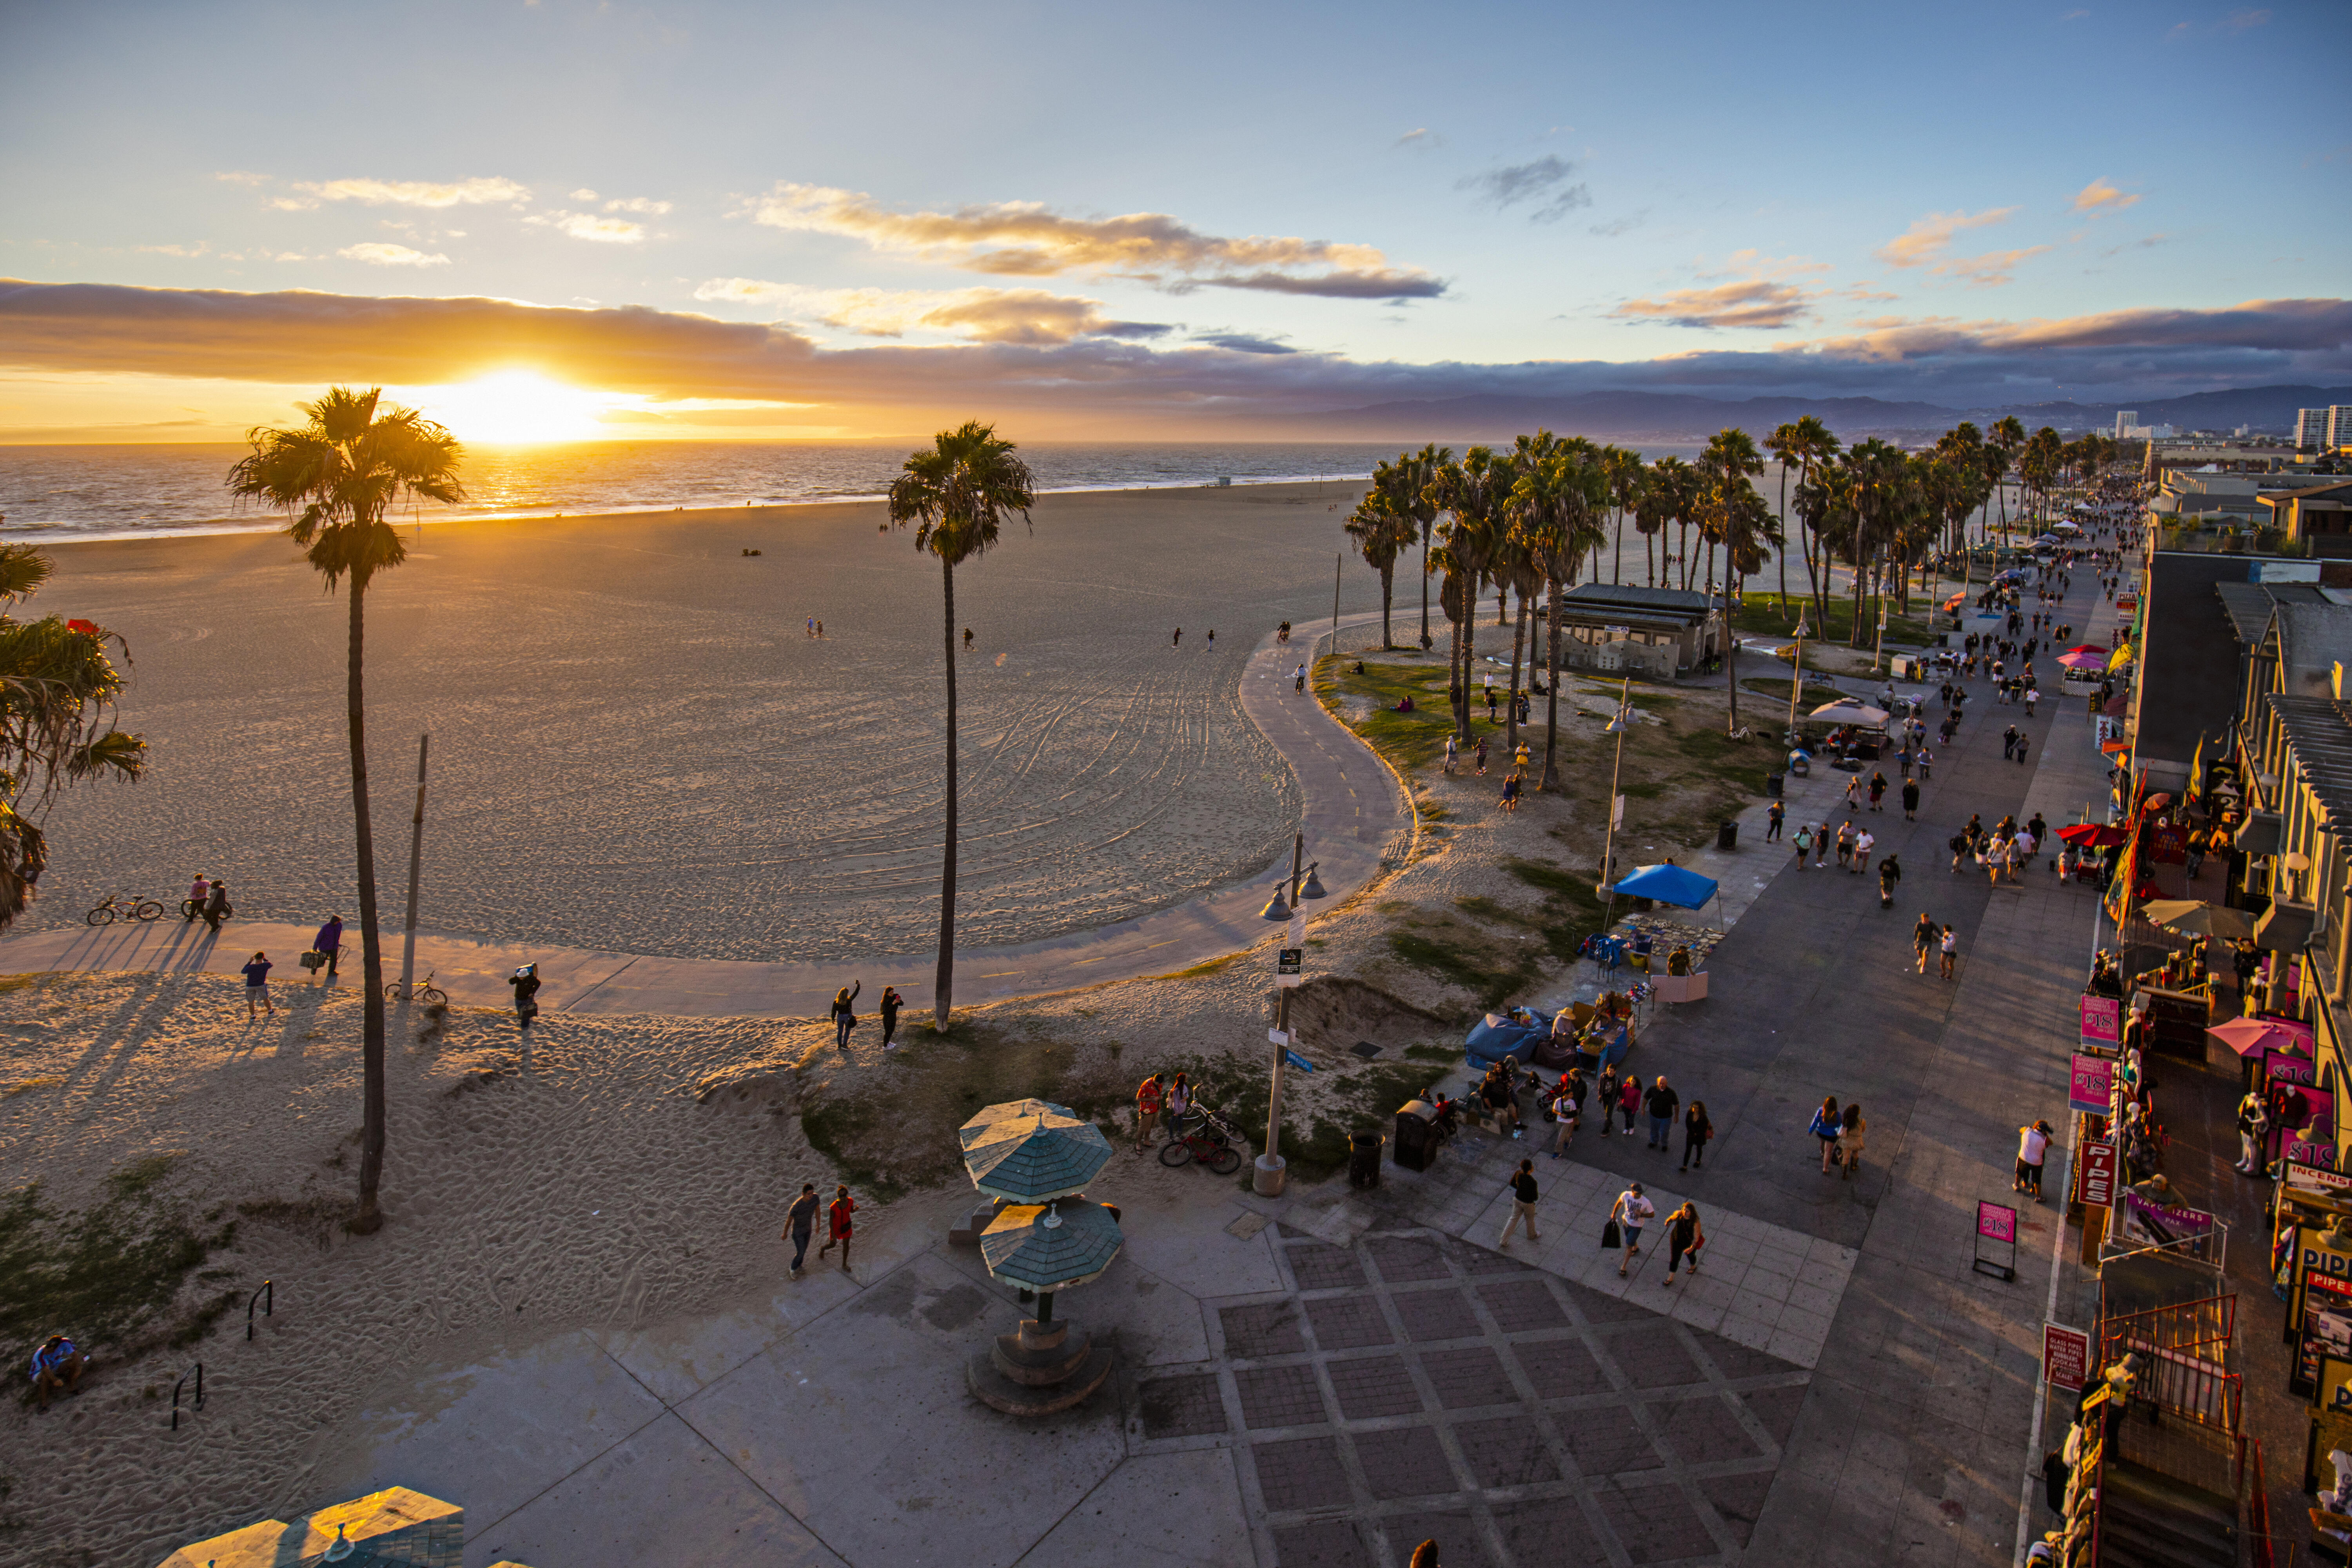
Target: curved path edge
(1358, 817)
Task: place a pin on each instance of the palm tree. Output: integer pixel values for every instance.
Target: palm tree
(1625, 476)
(1729, 502)
(2005, 441)
(1556, 516)
(57, 691)
(1473, 491)
(343, 470)
(1782, 445)
(1381, 533)
(1415, 470)
(957, 492)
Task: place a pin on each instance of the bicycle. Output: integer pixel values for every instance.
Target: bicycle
(1210, 1141)
(124, 907)
(426, 991)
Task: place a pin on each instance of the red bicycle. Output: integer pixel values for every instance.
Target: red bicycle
(1208, 1139)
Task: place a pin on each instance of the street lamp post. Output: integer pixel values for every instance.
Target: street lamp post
(1616, 805)
(1797, 680)
(1266, 1180)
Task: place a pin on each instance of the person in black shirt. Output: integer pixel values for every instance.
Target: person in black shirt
(1523, 1203)
(802, 1223)
(1661, 1103)
(1697, 1130)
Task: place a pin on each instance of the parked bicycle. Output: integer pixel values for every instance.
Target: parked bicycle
(426, 991)
(124, 907)
(1205, 1138)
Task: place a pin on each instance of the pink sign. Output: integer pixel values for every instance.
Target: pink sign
(2103, 1021)
(2091, 1084)
(2066, 1355)
(2098, 1171)
(1995, 1223)
(2320, 1154)
(2282, 1067)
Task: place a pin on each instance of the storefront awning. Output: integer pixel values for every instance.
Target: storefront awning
(2259, 835)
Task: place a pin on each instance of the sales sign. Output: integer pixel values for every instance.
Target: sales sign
(2090, 1083)
(2097, 1173)
(2285, 1067)
(2317, 1181)
(2103, 1024)
(2065, 1356)
(1996, 1223)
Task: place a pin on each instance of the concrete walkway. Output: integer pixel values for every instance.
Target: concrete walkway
(1357, 818)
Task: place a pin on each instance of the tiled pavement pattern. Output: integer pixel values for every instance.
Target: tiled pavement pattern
(1408, 1386)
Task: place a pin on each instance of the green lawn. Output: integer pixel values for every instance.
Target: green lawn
(1768, 615)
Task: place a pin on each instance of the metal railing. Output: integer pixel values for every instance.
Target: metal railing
(2258, 1512)
(2187, 1327)
(268, 1295)
(197, 1371)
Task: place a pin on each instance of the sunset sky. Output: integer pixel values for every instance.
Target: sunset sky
(756, 219)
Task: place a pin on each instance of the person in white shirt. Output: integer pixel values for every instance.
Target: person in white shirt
(1863, 841)
(1632, 1212)
(2032, 1145)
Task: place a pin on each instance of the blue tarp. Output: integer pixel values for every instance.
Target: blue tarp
(1490, 1043)
(1667, 885)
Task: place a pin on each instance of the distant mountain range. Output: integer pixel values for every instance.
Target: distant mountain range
(2268, 410)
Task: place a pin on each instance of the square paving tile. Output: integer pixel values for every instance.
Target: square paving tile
(1777, 1408)
(1551, 1533)
(1704, 1431)
(1560, 1369)
(1405, 1461)
(1373, 1387)
(1316, 1267)
(1651, 1356)
(1302, 1473)
(1349, 1322)
(1519, 1305)
(1656, 1523)
(1269, 1328)
(1186, 1406)
(1604, 1441)
(1405, 1259)
(1432, 1315)
(1474, 1260)
(1599, 1308)
(1467, 1379)
(1460, 1544)
(1327, 1544)
(1740, 1500)
(1275, 1396)
(1506, 1451)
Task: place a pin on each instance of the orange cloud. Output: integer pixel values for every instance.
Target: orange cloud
(981, 315)
(2099, 196)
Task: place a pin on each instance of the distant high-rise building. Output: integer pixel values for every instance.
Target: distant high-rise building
(2124, 419)
(2339, 425)
(2310, 428)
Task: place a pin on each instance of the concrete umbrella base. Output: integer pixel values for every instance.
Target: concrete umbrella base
(1043, 1369)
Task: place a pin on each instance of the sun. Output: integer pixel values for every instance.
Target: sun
(516, 406)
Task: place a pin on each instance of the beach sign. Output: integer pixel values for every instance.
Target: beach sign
(2090, 1083)
(1295, 1060)
(2065, 1356)
(1996, 1241)
(2103, 1024)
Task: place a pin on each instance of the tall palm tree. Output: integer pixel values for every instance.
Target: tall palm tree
(2006, 439)
(345, 468)
(1381, 533)
(1728, 500)
(1782, 445)
(1556, 516)
(1473, 491)
(957, 492)
(1624, 473)
(57, 691)
(1415, 470)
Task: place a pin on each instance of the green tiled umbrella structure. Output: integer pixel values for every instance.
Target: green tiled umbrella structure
(1030, 1151)
(1036, 1156)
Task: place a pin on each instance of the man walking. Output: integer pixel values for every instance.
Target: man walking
(1773, 816)
(1660, 1104)
(1923, 937)
(800, 1221)
(1523, 1203)
(1804, 842)
(217, 904)
(330, 943)
(1632, 1211)
(2008, 743)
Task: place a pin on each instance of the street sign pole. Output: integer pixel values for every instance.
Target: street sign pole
(1267, 1179)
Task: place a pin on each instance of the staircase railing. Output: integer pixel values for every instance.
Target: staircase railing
(2258, 1509)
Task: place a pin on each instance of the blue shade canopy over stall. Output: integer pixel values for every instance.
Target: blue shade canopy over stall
(1031, 1150)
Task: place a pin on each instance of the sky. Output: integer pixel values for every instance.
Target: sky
(543, 218)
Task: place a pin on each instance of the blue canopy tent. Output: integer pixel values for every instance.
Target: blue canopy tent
(1667, 885)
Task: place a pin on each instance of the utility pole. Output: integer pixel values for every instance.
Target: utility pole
(416, 862)
(1797, 680)
(1336, 561)
(1620, 724)
(1267, 1181)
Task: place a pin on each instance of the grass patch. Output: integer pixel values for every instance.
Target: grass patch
(113, 1274)
(20, 981)
(1768, 615)
(1407, 740)
(1207, 966)
(1458, 964)
(1431, 1053)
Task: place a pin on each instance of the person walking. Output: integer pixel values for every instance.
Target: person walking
(1683, 1238)
(1910, 800)
(1479, 756)
(1608, 1096)
(1804, 842)
(1697, 1130)
(800, 1222)
(1629, 1100)
(1923, 938)
(2021, 751)
(328, 942)
(1824, 1127)
(2032, 1146)
(891, 1003)
(525, 982)
(200, 891)
(838, 1226)
(1630, 1212)
(843, 1018)
(1851, 1127)
(1661, 1103)
(1452, 753)
(1852, 794)
(1845, 844)
(1523, 1204)
(1863, 842)
(1877, 792)
(1773, 816)
(216, 905)
(1178, 640)
(1890, 872)
(1820, 845)
(1926, 760)
(1950, 949)
(1567, 1110)
(1148, 1099)
(257, 988)
(2008, 743)
(1511, 793)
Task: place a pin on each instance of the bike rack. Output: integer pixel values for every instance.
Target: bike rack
(197, 1371)
(267, 1295)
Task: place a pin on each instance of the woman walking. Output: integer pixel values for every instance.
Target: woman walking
(1825, 1127)
(1697, 1130)
(1683, 1238)
(1951, 946)
(1179, 1104)
(257, 988)
(845, 1020)
(1851, 1129)
(1629, 1100)
(839, 1226)
(891, 1003)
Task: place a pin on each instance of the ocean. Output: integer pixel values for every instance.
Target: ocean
(131, 491)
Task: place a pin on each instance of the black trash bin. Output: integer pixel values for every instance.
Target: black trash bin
(1727, 836)
(1414, 1146)
(1773, 783)
(1364, 1159)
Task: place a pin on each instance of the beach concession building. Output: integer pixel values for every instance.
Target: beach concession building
(1612, 627)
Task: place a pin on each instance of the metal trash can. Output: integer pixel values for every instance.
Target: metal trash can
(1727, 836)
(1772, 782)
(1364, 1159)
(1414, 1146)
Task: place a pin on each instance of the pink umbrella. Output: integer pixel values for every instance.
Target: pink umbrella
(2251, 1037)
(2083, 660)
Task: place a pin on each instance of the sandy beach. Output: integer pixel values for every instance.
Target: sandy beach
(637, 746)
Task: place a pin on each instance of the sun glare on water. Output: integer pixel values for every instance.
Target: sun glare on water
(517, 406)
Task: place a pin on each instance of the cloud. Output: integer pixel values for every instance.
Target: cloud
(2073, 16)
(2099, 196)
(1244, 342)
(201, 248)
(242, 177)
(377, 254)
(1030, 240)
(1756, 302)
(583, 194)
(981, 315)
(1618, 226)
(1543, 181)
(633, 204)
(1422, 139)
(1929, 242)
(300, 338)
(406, 194)
(589, 226)
(2238, 21)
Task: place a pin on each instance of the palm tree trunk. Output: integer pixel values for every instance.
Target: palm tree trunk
(1731, 670)
(1650, 558)
(943, 987)
(371, 1027)
(1519, 634)
(1617, 566)
(1424, 590)
(1551, 683)
(1388, 590)
(1469, 650)
(1781, 548)
(1854, 638)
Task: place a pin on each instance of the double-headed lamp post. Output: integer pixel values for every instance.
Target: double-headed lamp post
(1289, 970)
